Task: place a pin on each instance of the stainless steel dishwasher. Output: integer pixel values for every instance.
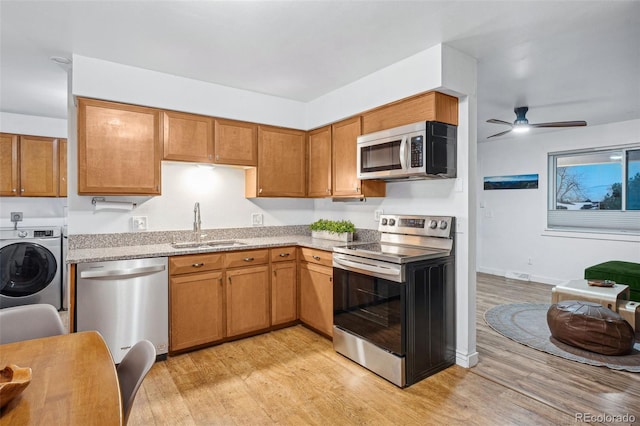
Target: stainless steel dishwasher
(126, 301)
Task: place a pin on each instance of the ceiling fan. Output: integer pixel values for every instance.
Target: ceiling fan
(521, 124)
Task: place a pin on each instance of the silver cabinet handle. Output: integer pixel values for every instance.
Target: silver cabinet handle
(260, 191)
(283, 254)
(14, 190)
(197, 265)
(121, 272)
(316, 257)
(22, 190)
(217, 157)
(248, 259)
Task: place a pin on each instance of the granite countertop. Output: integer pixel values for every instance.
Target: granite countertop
(83, 255)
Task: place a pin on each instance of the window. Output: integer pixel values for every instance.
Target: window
(595, 190)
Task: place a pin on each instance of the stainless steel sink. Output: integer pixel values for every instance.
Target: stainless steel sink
(207, 244)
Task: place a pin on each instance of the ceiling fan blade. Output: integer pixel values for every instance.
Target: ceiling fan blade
(494, 121)
(499, 134)
(560, 124)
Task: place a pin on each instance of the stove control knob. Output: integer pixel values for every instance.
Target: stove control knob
(392, 222)
(383, 221)
(22, 234)
(443, 224)
(433, 224)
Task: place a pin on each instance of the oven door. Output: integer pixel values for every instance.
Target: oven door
(371, 308)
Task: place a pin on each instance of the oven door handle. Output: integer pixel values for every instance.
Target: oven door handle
(367, 267)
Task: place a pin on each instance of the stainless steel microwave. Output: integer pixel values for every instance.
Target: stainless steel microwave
(422, 150)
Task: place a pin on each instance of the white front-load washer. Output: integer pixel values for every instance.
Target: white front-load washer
(30, 266)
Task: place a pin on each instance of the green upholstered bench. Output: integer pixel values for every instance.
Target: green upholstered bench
(621, 272)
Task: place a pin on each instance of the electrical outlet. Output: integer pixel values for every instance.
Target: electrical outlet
(376, 215)
(16, 216)
(139, 223)
(256, 219)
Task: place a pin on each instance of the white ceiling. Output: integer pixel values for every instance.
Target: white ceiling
(567, 60)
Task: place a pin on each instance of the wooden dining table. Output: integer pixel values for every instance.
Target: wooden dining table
(74, 382)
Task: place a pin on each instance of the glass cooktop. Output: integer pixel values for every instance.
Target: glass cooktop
(391, 252)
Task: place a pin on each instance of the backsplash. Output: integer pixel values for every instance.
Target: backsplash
(84, 241)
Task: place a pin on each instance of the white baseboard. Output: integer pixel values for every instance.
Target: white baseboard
(521, 276)
(466, 360)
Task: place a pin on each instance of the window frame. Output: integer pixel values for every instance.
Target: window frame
(621, 221)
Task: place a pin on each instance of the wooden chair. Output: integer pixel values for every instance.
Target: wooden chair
(132, 370)
(29, 322)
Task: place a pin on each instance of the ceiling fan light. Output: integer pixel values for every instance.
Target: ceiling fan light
(521, 128)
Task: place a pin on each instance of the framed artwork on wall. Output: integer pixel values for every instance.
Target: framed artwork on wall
(511, 182)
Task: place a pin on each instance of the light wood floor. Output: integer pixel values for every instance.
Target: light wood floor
(293, 377)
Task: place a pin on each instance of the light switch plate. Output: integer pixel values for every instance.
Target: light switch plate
(256, 219)
(376, 215)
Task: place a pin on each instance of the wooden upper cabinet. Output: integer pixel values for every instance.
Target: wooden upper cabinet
(281, 170)
(345, 182)
(119, 148)
(430, 106)
(38, 166)
(319, 163)
(9, 178)
(187, 137)
(235, 143)
(62, 168)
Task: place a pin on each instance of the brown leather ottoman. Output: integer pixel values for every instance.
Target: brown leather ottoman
(590, 326)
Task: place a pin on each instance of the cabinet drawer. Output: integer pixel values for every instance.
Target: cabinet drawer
(283, 253)
(236, 259)
(195, 263)
(320, 257)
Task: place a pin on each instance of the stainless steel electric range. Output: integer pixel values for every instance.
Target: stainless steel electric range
(394, 300)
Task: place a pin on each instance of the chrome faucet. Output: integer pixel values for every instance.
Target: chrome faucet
(197, 223)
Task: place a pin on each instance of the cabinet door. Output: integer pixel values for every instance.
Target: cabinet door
(430, 106)
(319, 165)
(196, 310)
(316, 297)
(119, 149)
(281, 162)
(247, 300)
(38, 166)
(8, 165)
(187, 137)
(62, 168)
(345, 135)
(236, 143)
(284, 292)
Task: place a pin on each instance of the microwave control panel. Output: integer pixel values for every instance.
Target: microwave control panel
(417, 154)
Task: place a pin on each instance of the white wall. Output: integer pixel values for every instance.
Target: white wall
(95, 78)
(512, 223)
(33, 125)
(36, 211)
(219, 190)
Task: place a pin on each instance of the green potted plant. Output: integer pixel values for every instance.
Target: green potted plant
(339, 230)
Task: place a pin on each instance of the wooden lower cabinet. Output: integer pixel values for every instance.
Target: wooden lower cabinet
(197, 313)
(316, 297)
(248, 296)
(284, 292)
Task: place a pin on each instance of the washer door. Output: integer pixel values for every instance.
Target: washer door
(25, 269)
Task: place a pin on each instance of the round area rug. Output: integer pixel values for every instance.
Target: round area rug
(526, 323)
